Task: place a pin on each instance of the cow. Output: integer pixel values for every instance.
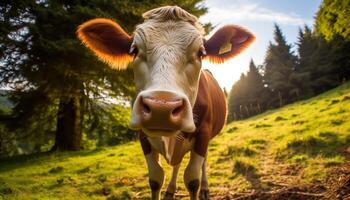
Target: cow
(179, 107)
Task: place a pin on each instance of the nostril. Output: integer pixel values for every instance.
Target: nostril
(145, 108)
(178, 110)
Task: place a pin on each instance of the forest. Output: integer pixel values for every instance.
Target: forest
(321, 62)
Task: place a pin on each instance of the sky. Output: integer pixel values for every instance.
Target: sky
(259, 17)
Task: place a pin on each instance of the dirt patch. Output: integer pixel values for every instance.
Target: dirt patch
(338, 183)
(292, 193)
(105, 191)
(335, 187)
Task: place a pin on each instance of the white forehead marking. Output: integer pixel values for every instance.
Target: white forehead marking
(165, 37)
(168, 28)
(171, 36)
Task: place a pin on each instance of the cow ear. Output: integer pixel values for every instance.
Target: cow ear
(107, 40)
(226, 43)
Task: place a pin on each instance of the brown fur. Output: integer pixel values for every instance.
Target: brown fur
(146, 146)
(210, 112)
(239, 37)
(107, 40)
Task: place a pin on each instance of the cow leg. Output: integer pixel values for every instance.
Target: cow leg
(192, 174)
(155, 174)
(204, 192)
(171, 189)
(155, 170)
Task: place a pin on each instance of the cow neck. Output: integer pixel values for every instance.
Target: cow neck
(173, 148)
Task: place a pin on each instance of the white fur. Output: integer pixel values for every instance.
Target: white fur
(155, 172)
(172, 184)
(193, 170)
(165, 145)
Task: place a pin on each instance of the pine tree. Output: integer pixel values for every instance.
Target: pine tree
(317, 70)
(256, 89)
(323, 71)
(248, 95)
(307, 44)
(237, 97)
(279, 67)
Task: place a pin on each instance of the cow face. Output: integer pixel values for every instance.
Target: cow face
(166, 53)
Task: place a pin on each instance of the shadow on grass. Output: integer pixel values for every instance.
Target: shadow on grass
(326, 144)
(249, 172)
(240, 151)
(233, 151)
(263, 126)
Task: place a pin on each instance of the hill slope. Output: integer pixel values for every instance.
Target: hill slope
(295, 145)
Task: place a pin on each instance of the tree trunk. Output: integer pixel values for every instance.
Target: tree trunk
(247, 111)
(259, 108)
(298, 93)
(69, 124)
(235, 118)
(280, 98)
(241, 111)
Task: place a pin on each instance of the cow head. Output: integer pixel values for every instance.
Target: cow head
(166, 51)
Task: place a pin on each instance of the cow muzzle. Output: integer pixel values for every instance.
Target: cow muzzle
(162, 113)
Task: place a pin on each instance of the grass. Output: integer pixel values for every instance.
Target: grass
(297, 144)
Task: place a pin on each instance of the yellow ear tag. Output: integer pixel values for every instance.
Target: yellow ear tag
(227, 47)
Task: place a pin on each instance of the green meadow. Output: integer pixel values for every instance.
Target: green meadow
(294, 145)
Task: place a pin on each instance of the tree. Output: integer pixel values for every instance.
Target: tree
(255, 86)
(56, 81)
(236, 101)
(247, 96)
(332, 25)
(307, 44)
(279, 66)
(332, 20)
(317, 70)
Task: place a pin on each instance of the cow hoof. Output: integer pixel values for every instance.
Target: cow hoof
(169, 196)
(204, 195)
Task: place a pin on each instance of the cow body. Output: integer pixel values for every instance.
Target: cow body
(178, 107)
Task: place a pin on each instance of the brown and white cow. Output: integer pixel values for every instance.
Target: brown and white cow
(178, 107)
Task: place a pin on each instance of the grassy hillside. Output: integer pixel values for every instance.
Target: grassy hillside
(295, 145)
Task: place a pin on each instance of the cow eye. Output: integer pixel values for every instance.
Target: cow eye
(201, 52)
(134, 50)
